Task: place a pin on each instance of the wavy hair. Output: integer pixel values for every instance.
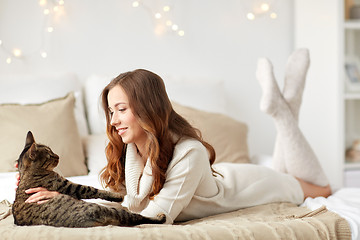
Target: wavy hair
(151, 106)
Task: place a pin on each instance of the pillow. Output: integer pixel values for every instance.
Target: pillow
(52, 123)
(35, 89)
(226, 135)
(204, 94)
(200, 93)
(92, 90)
(94, 146)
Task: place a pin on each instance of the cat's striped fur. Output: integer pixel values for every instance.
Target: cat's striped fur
(36, 164)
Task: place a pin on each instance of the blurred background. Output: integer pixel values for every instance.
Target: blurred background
(208, 40)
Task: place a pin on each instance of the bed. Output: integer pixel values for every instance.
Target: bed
(82, 156)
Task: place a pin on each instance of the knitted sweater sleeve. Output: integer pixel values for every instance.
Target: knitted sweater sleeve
(183, 176)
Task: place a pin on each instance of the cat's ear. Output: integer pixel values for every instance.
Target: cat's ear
(32, 152)
(29, 139)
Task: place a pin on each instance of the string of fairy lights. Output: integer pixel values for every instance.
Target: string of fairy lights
(50, 10)
(261, 9)
(162, 15)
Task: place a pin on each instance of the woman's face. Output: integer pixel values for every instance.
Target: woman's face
(123, 119)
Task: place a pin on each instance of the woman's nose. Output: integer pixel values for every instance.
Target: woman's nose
(114, 119)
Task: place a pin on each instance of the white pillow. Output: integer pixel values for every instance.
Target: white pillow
(200, 93)
(94, 146)
(92, 90)
(35, 89)
(204, 94)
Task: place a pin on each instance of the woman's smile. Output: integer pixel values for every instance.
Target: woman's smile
(121, 131)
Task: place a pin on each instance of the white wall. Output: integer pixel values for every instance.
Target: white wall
(318, 26)
(109, 37)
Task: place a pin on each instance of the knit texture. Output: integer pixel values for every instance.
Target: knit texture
(293, 154)
(271, 221)
(138, 180)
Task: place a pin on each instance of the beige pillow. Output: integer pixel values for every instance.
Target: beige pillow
(226, 135)
(52, 123)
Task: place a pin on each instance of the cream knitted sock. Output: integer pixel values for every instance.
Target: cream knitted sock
(299, 158)
(295, 76)
(271, 92)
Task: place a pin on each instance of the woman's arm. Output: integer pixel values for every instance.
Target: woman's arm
(182, 181)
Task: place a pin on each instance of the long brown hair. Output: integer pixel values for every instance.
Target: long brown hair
(151, 106)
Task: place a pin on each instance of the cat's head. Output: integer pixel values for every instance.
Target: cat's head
(36, 156)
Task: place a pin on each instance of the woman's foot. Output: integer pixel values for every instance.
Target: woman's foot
(272, 96)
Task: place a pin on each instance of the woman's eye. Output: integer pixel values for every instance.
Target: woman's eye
(122, 109)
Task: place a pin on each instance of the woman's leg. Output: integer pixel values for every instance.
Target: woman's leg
(297, 155)
(295, 76)
(312, 190)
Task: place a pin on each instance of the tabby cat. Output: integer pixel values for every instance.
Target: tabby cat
(36, 164)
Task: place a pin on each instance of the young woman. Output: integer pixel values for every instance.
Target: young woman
(164, 166)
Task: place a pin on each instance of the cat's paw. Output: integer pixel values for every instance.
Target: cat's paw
(161, 217)
(116, 197)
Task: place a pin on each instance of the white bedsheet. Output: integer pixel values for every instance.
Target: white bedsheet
(7, 184)
(345, 202)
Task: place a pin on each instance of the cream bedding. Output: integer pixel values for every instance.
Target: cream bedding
(271, 221)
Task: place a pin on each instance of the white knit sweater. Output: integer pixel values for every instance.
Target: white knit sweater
(191, 191)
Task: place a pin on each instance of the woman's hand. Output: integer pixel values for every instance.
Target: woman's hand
(17, 176)
(41, 195)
